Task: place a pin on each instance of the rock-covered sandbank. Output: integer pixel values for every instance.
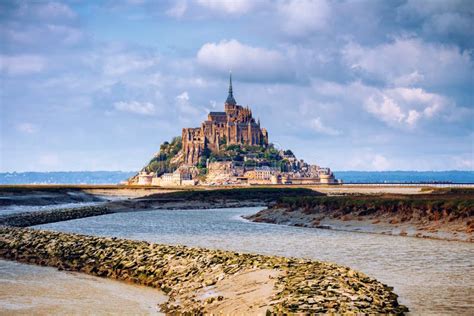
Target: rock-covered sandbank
(50, 216)
(44, 195)
(447, 214)
(206, 281)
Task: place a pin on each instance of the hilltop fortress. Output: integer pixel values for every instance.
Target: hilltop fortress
(234, 126)
(230, 147)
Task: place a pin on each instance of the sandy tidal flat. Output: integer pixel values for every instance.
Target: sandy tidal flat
(34, 290)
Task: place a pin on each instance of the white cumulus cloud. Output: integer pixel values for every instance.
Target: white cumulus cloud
(253, 63)
(385, 109)
(397, 107)
(184, 105)
(300, 17)
(405, 106)
(228, 6)
(22, 64)
(144, 108)
(317, 125)
(410, 62)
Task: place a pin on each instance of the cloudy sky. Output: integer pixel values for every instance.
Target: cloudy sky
(353, 85)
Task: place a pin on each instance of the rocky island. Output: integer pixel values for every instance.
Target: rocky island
(229, 148)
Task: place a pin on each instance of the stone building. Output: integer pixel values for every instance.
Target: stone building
(145, 178)
(233, 126)
(262, 173)
(176, 178)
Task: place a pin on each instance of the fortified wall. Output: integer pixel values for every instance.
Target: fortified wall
(233, 126)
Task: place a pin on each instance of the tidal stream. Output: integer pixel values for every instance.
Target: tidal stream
(430, 276)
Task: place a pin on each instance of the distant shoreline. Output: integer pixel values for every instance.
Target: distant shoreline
(348, 176)
(106, 186)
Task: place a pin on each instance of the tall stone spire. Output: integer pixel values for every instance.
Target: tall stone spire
(230, 98)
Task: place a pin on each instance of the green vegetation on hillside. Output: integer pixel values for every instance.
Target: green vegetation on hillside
(161, 163)
(250, 156)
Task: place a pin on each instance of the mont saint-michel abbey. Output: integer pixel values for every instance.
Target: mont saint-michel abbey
(229, 148)
(233, 126)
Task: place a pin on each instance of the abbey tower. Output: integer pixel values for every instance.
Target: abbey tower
(233, 126)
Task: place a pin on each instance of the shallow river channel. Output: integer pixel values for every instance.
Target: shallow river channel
(430, 276)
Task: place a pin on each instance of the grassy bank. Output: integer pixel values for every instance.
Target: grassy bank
(454, 205)
(443, 214)
(262, 194)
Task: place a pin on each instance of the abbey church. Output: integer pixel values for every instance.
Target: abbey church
(205, 155)
(233, 126)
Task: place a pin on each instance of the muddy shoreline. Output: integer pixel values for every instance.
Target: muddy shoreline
(445, 216)
(358, 226)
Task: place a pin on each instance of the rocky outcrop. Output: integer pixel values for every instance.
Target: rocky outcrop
(191, 277)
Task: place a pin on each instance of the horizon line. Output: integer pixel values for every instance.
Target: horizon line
(391, 170)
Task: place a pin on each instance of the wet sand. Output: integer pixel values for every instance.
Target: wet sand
(355, 189)
(34, 290)
(443, 231)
